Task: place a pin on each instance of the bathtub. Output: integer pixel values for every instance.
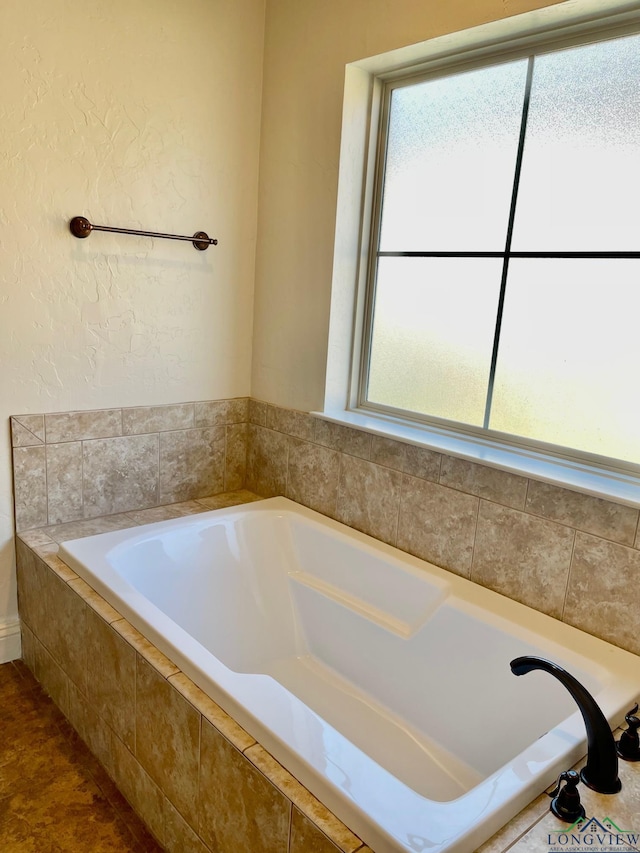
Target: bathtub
(378, 680)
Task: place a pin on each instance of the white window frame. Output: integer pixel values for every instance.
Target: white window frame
(566, 24)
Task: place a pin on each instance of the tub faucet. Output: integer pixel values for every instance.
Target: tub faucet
(601, 770)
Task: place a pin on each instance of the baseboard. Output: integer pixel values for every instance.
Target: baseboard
(10, 646)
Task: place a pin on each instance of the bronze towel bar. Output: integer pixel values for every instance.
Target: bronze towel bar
(81, 227)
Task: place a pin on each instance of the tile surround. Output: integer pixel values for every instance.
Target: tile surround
(529, 540)
(244, 810)
(523, 557)
(368, 497)
(199, 781)
(244, 799)
(82, 472)
(538, 543)
(74, 466)
(192, 463)
(437, 524)
(167, 742)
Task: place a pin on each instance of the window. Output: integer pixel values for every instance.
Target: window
(503, 293)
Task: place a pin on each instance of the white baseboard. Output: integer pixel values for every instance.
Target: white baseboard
(10, 646)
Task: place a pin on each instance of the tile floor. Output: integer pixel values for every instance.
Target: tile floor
(54, 796)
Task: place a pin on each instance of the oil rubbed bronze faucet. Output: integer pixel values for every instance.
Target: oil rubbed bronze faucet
(601, 770)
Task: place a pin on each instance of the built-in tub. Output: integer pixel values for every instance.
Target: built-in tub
(380, 681)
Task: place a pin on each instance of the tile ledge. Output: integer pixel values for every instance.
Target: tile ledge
(26, 535)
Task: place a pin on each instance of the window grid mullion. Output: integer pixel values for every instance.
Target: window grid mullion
(507, 247)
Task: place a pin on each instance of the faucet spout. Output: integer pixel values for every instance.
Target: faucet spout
(601, 770)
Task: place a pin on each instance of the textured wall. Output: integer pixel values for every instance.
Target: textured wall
(307, 45)
(144, 115)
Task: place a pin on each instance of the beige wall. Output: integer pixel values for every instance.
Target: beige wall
(139, 113)
(307, 44)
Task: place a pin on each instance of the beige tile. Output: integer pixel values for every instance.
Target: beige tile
(523, 557)
(592, 515)
(88, 527)
(36, 538)
(235, 466)
(47, 549)
(342, 438)
(95, 601)
(603, 597)
(307, 838)
(179, 837)
(243, 810)
(77, 426)
(30, 486)
(139, 789)
(65, 631)
(111, 678)
(27, 430)
(53, 678)
(408, 458)
(298, 424)
(32, 581)
(437, 524)
(267, 459)
(157, 418)
(226, 499)
(422, 462)
(191, 464)
(91, 727)
(58, 566)
(120, 474)
(64, 482)
(225, 724)
(238, 410)
(369, 498)
(29, 645)
(168, 739)
(311, 808)
(515, 828)
(257, 412)
(151, 654)
(387, 452)
(220, 412)
(622, 809)
(489, 483)
(211, 413)
(313, 476)
(164, 513)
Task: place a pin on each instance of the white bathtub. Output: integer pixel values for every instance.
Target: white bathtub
(378, 680)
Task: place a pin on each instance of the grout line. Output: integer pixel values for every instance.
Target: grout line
(475, 539)
(567, 583)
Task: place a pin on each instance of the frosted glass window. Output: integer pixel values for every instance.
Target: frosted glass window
(580, 180)
(490, 303)
(433, 335)
(451, 155)
(569, 352)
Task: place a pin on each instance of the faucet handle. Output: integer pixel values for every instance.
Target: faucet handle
(566, 803)
(628, 747)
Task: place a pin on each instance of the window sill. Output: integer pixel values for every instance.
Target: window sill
(578, 476)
